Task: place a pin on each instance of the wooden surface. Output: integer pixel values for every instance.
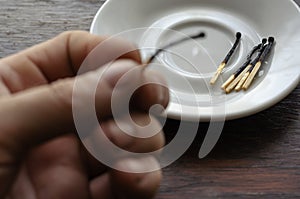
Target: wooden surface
(256, 157)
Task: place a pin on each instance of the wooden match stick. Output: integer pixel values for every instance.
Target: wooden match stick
(242, 81)
(232, 85)
(254, 63)
(227, 58)
(262, 46)
(218, 73)
(257, 66)
(228, 81)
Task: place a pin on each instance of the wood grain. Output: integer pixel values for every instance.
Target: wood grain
(256, 157)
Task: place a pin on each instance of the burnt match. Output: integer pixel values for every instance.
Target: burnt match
(256, 68)
(197, 36)
(247, 74)
(227, 58)
(249, 58)
(243, 71)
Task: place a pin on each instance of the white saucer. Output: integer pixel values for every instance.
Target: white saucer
(152, 24)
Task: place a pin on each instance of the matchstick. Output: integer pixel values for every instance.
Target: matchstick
(197, 36)
(256, 68)
(236, 81)
(248, 61)
(227, 58)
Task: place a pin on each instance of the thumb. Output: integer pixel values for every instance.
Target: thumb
(36, 115)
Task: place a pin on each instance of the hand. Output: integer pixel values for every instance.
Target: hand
(40, 154)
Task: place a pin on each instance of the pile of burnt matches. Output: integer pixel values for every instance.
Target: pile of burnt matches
(244, 76)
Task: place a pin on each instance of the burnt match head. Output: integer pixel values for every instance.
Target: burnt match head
(267, 49)
(271, 39)
(232, 50)
(264, 41)
(197, 36)
(238, 35)
(201, 34)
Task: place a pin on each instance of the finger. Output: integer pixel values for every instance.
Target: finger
(117, 184)
(132, 184)
(141, 135)
(134, 86)
(100, 187)
(56, 169)
(144, 135)
(118, 134)
(33, 116)
(94, 167)
(22, 184)
(144, 94)
(61, 57)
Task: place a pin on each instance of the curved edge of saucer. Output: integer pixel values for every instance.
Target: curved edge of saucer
(208, 117)
(296, 5)
(92, 27)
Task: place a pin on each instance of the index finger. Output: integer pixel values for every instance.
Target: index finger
(62, 56)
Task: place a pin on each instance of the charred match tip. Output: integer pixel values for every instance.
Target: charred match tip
(264, 41)
(202, 34)
(197, 36)
(271, 39)
(238, 35)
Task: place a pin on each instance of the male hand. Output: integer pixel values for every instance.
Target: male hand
(40, 153)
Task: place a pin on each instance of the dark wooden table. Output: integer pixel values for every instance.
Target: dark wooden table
(260, 161)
